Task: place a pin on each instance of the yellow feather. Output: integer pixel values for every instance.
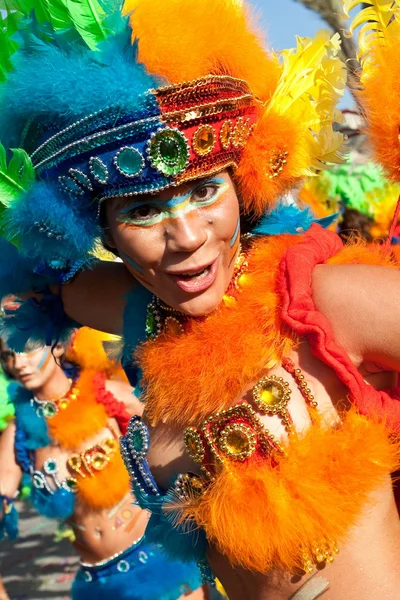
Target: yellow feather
(313, 80)
(380, 26)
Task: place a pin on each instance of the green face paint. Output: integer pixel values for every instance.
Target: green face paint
(152, 212)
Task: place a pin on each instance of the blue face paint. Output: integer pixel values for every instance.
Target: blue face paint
(43, 358)
(155, 211)
(235, 235)
(131, 262)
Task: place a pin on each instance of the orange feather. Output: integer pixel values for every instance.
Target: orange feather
(191, 376)
(186, 41)
(81, 419)
(380, 99)
(87, 350)
(107, 487)
(314, 495)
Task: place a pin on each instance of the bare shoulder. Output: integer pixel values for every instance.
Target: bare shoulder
(360, 302)
(96, 297)
(124, 393)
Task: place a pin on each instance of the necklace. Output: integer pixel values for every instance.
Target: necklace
(161, 318)
(49, 408)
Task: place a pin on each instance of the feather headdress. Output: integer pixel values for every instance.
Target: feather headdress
(91, 110)
(379, 56)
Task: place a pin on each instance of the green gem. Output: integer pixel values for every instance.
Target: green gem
(51, 466)
(71, 484)
(49, 409)
(169, 152)
(137, 440)
(71, 186)
(81, 178)
(129, 161)
(98, 170)
(151, 324)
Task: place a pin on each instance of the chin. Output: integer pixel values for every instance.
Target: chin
(201, 305)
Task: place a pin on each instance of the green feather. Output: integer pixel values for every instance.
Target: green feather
(16, 177)
(8, 26)
(86, 17)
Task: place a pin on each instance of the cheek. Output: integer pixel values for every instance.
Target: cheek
(226, 219)
(140, 248)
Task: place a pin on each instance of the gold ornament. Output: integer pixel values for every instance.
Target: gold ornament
(204, 140)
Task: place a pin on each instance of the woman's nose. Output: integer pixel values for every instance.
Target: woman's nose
(20, 361)
(185, 233)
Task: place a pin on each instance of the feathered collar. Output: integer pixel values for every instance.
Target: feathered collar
(187, 377)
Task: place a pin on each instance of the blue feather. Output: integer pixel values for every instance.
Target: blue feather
(62, 85)
(59, 505)
(289, 219)
(17, 271)
(51, 227)
(41, 321)
(9, 524)
(183, 543)
(33, 426)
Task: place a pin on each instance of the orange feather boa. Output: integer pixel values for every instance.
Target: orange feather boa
(82, 418)
(79, 422)
(189, 377)
(262, 517)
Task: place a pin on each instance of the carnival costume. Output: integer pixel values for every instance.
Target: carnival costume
(188, 99)
(97, 476)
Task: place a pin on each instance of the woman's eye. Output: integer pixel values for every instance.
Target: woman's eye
(142, 213)
(205, 192)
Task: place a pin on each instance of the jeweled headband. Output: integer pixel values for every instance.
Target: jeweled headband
(190, 130)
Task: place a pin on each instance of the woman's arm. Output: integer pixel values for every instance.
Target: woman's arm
(96, 298)
(362, 304)
(10, 471)
(124, 393)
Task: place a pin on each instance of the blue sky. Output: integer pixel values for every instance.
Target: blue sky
(283, 20)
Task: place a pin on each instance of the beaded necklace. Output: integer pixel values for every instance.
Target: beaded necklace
(49, 408)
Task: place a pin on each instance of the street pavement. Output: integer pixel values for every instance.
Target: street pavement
(35, 567)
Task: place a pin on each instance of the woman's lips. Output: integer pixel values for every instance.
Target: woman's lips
(197, 282)
(25, 377)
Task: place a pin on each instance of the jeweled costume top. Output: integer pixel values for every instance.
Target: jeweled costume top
(106, 119)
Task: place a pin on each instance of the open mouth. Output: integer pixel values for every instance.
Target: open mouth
(196, 281)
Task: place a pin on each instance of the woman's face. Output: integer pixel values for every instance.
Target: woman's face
(182, 243)
(34, 367)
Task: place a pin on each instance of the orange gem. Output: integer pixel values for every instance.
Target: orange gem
(204, 140)
(226, 134)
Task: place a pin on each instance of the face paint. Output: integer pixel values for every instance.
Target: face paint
(44, 358)
(131, 262)
(177, 238)
(235, 236)
(153, 212)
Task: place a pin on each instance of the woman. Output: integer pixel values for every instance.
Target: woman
(263, 386)
(65, 437)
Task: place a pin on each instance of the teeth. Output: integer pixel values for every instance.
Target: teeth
(196, 275)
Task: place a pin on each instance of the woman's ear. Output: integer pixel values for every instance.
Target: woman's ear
(58, 350)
